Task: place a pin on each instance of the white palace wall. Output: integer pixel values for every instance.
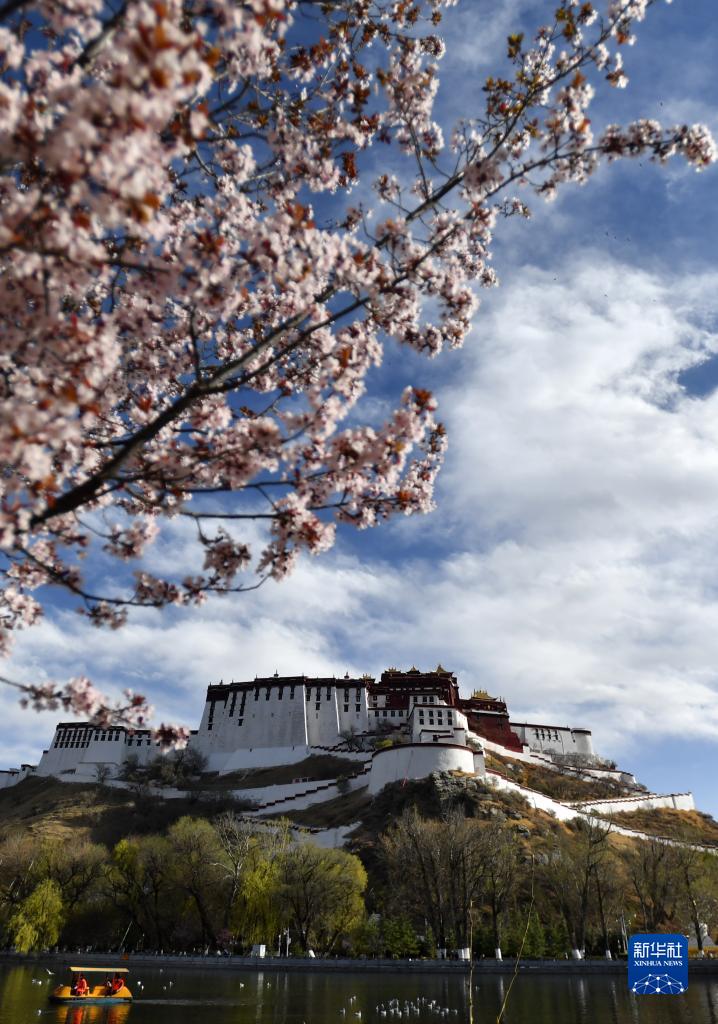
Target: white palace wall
(643, 802)
(416, 761)
(276, 722)
(78, 749)
(553, 739)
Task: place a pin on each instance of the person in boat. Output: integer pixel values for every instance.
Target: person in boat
(117, 983)
(81, 987)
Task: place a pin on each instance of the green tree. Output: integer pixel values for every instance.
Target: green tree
(140, 880)
(535, 940)
(199, 870)
(367, 939)
(399, 937)
(37, 922)
(321, 892)
(18, 870)
(76, 867)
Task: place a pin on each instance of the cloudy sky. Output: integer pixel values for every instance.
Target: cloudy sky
(572, 563)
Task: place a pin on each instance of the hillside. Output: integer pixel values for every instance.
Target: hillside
(62, 811)
(565, 785)
(46, 807)
(687, 826)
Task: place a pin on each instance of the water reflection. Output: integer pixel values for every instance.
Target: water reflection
(266, 997)
(91, 1014)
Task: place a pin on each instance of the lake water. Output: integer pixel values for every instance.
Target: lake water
(255, 997)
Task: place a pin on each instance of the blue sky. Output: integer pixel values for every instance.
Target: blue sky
(572, 563)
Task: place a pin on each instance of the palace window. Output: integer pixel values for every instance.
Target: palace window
(358, 707)
(329, 692)
(281, 693)
(267, 694)
(309, 693)
(346, 707)
(240, 721)
(317, 706)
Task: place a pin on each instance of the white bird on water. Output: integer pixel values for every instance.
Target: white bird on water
(51, 973)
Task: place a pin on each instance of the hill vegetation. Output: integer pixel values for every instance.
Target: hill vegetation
(194, 873)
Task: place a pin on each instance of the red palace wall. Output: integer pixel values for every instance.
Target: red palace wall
(493, 727)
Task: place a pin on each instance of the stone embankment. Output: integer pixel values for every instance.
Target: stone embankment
(252, 963)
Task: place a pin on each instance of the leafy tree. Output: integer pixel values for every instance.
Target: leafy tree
(367, 939)
(197, 858)
(535, 940)
(37, 922)
(192, 302)
(321, 892)
(399, 937)
(557, 939)
(76, 867)
(18, 875)
(142, 881)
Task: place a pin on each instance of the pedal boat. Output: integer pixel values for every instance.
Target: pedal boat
(96, 994)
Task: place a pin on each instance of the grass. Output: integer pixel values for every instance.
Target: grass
(555, 784)
(317, 768)
(341, 810)
(64, 811)
(689, 826)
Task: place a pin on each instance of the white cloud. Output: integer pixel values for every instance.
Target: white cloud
(576, 529)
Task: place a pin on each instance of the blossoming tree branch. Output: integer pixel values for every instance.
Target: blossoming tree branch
(200, 264)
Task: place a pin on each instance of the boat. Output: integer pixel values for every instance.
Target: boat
(111, 990)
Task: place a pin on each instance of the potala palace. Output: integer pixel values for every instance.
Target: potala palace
(404, 725)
